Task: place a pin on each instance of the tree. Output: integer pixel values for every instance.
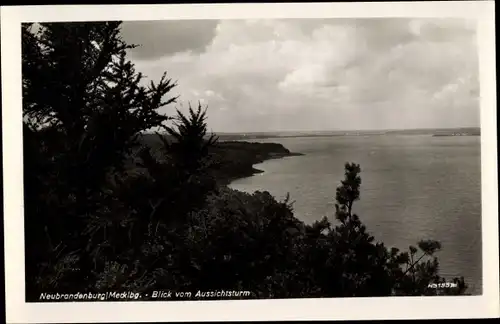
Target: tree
(165, 200)
(372, 269)
(181, 172)
(84, 107)
(190, 146)
(189, 151)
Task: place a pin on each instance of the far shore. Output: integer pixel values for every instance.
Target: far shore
(236, 158)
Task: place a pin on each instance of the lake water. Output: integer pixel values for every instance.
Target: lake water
(413, 187)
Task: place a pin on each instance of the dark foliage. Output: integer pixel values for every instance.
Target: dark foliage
(105, 211)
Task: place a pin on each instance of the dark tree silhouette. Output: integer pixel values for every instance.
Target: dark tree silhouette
(84, 108)
(190, 145)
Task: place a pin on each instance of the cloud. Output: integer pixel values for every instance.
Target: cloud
(161, 38)
(263, 75)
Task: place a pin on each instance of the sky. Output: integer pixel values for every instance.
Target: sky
(316, 74)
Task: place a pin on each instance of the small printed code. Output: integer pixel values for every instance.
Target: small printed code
(442, 285)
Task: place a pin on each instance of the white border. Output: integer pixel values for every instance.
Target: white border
(18, 311)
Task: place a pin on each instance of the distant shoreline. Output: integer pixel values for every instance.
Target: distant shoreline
(454, 135)
(238, 158)
(325, 136)
(465, 131)
(253, 136)
(238, 154)
(257, 171)
(235, 158)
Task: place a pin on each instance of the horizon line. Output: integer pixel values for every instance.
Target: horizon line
(347, 130)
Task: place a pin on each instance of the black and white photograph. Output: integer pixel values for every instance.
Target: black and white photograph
(248, 158)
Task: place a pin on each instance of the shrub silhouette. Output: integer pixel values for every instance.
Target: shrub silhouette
(104, 210)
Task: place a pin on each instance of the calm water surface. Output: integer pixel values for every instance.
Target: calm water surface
(413, 187)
